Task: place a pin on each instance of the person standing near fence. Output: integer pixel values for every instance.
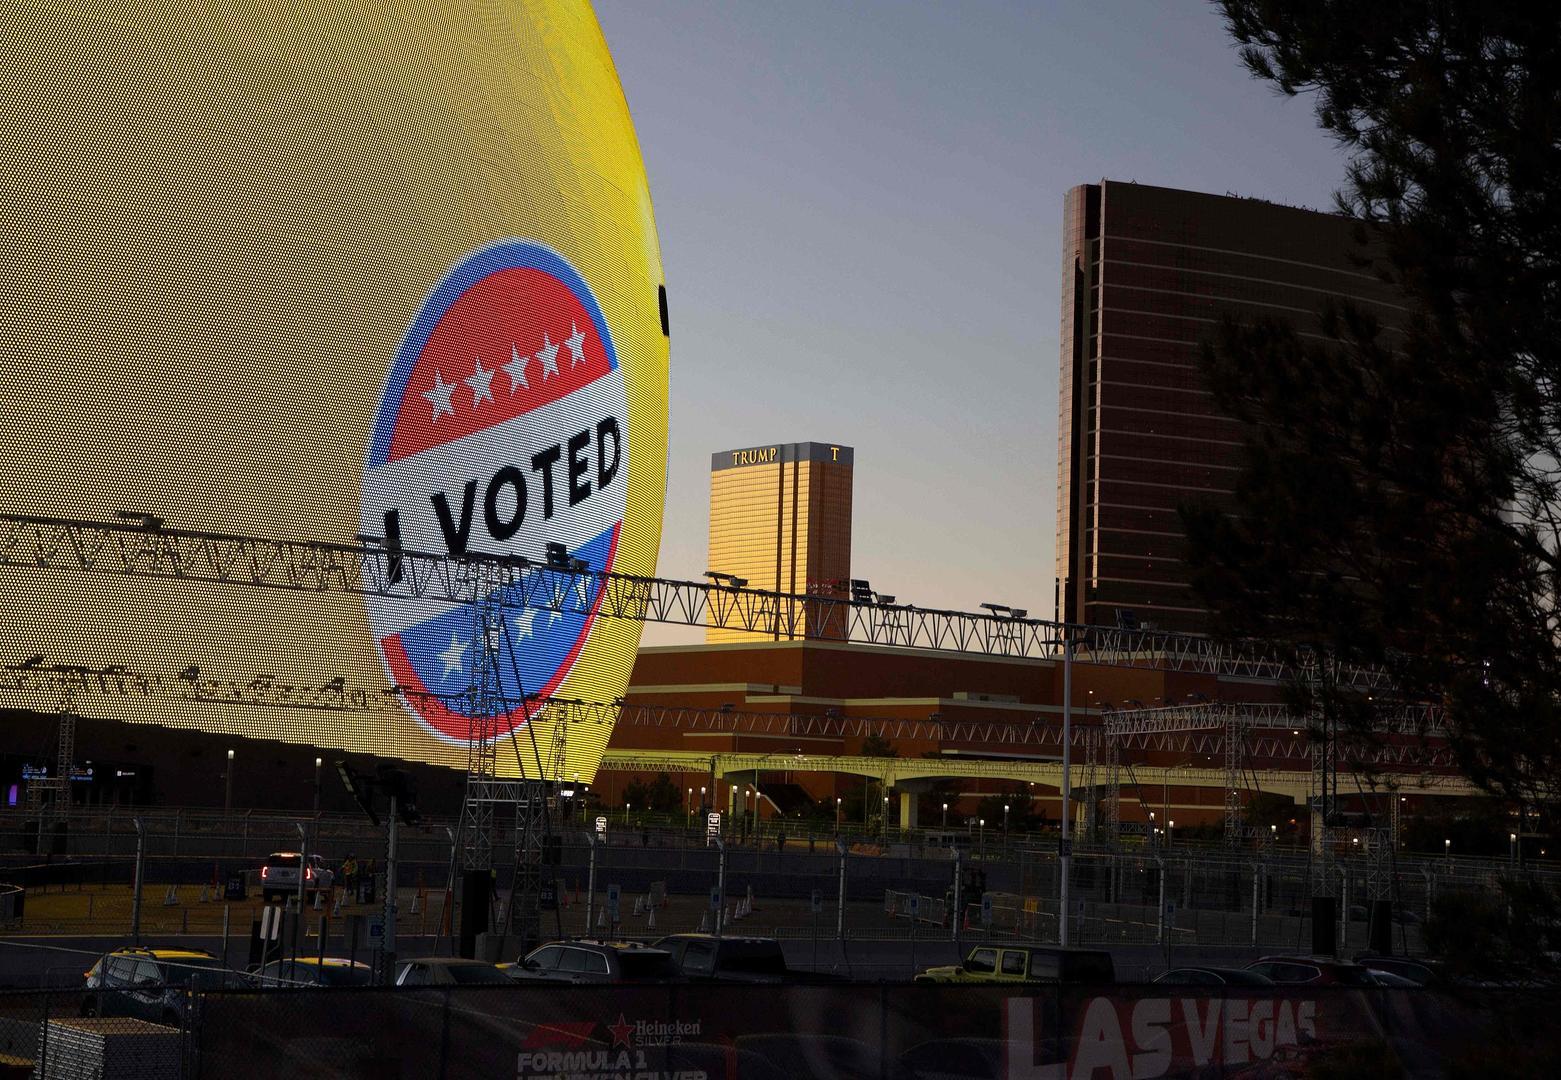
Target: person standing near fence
(349, 873)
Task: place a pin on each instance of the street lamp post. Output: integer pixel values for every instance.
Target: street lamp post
(945, 815)
(1447, 848)
(317, 763)
(838, 805)
(1005, 825)
(1169, 825)
(1512, 848)
(982, 835)
(627, 806)
(884, 823)
(227, 797)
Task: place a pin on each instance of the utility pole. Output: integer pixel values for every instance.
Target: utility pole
(303, 874)
(840, 914)
(1065, 843)
(387, 973)
(720, 885)
(590, 887)
(140, 880)
(957, 915)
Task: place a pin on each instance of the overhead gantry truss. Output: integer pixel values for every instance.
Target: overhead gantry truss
(146, 546)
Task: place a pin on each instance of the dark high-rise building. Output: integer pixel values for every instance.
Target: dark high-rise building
(1147, 274)
(780, 519)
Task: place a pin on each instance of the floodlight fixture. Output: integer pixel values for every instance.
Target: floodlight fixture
(149, 522)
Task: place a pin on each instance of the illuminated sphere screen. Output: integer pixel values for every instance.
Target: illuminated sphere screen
(321, 273)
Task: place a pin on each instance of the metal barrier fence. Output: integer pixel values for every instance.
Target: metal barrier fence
(65, 1035)
(1212, 896)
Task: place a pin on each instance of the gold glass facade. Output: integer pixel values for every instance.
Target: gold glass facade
(780, 519)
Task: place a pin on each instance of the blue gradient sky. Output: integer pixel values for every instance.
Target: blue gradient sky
(859, 207)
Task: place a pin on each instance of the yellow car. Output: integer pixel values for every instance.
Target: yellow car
(150, 984)
(1017, 962)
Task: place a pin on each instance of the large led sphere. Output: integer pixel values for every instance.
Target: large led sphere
(320, 271)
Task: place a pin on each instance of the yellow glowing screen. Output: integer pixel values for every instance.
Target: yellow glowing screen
(315, 271)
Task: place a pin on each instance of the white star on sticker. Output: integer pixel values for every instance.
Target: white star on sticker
(548, 354)
(516, 369)
(525, 623)
(576, 343)
(481, 383)
(454, 655)
(439, 396)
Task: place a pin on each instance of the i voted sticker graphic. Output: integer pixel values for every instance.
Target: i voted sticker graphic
(502, 429)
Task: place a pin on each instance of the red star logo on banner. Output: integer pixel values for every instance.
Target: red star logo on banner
(621, 1032)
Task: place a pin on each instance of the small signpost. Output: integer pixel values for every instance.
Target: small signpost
(601, 826)
(986, 912)
(613, 892)
(712, 827)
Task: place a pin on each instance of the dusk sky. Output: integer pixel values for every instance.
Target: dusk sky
(859, 208)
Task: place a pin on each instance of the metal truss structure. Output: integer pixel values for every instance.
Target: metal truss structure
(148, 547)
(1243, 732)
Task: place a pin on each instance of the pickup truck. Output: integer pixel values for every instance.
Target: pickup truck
(1017, 962)
(279, 876)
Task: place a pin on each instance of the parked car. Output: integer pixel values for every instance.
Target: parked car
(1311, 971)
(331, 971)
(728, 959)
(1019, 963)
(590, 961)
(151, 984)
(279, 876)
(1419, 972)
(1196, 975)
(449, 971)
(1392, 981)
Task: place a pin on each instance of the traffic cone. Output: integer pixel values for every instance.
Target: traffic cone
(601, 918)
(202, 898)
(319, 900)
(171, 897)
(650, 924)
(638, 910)
(341, 898)
(417, 902)
(704, 923)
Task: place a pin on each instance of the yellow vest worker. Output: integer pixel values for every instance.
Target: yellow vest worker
(317, 271)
